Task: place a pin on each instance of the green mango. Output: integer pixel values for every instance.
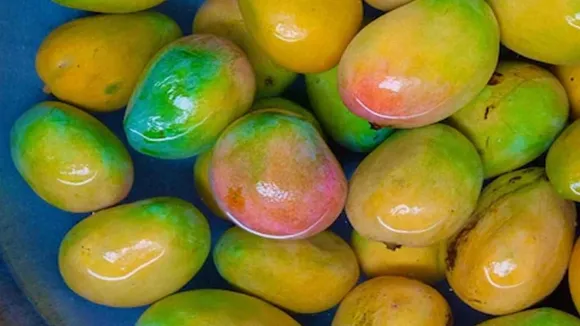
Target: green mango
(346, 128)
(110, 6)
(535, 317)
(223, 18)
(515, 118)
(188, 94)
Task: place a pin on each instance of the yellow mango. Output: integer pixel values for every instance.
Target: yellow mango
(387, 5)
(223, 18)
(515, 249)
(95, 62)
(569, 76)
(306, 276)
(110, 6)
(574, 275)
(305, 36)
(377, 259)
(393, 301)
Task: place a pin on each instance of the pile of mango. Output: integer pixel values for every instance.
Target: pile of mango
(455, 186)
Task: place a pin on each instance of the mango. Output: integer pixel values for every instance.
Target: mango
(135, 254)
(304, 36)
(347, 129)
(417, 188)
(377, 259)
(563, 163)
(569, 76)
(390, 300)
(69, 158)
(515, 249)
(280, 103)
(214, 308)
(574, 275)
(304, 276)
(203, 184)
(223, 18)
(188, 94)
(547, 31)
(95, 62)
(386, 5)
(404, 70)
(515, 118)
(110, 6)
(535, 317)
(273, 175)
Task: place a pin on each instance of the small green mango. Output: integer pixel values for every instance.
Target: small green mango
(189, 93)
(535, 317)
(346, 128)
(110, 6)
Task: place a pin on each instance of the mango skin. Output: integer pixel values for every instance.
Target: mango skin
(386, 5)
(110, 6)
(535, 317)
(515, 118)
(179, 109)
(213, 308)
(569, 76)
(135, 254)
(412, 75)
(376, 259)
(417, 188)
(554, 35)
(347, 129)
(280, 103)
(223, 18)
(273, 175)
(203, 184)
(305, 36)
(516, 247)
(563, 163)
(391, 300)
(95, 62)
(574, 275)
(69, 158)
(304, 276)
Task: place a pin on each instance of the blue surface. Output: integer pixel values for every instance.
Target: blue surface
(31, 230)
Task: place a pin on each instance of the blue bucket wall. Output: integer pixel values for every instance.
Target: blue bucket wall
(31, 230)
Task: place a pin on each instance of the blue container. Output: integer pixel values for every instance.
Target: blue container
(31, 230)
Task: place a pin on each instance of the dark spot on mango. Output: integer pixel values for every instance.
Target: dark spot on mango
(474, 300)
(488, 109)
(269, 81)
(514, 179)
(449, 318)
(456, 242)
(571, 78)
(375, 126)
(495, 79)
(392, 246)
(112, 88)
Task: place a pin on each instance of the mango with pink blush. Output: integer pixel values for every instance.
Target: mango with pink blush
(420, 63)
(273, 175)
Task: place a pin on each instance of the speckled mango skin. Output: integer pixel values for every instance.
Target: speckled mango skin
(273, 175)
(203, 185)
(386, 5)
(417, 188)
(189, 93)
(515, 118)
(279, 103)
(412, 75)
(516, 247)
(223, 18)
(110, 6)
(305, 276)
(95, 62)
(574, 275)
(343, 126)
(69, 158)
(535, 317)
(554, 35)
(569, 76)
(135, 254)
(377, 259)
(305, 36)
(214, 308)
(563, 163)
(390, 300)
